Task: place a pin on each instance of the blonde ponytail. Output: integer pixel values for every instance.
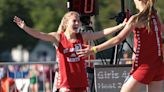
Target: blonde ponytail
(145, 15)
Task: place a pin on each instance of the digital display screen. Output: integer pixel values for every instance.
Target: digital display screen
(84, 7)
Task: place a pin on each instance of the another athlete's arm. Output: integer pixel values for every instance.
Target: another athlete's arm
(105, 32)
(111, 42)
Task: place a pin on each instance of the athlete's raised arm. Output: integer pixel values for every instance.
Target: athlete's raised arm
(51, 37)
(109, 43)
(103, 33)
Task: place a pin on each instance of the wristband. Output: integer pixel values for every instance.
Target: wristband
(94, 49)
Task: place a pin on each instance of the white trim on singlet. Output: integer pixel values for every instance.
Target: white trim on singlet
(157, 35)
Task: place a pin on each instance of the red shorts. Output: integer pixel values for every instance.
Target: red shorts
(146, 76)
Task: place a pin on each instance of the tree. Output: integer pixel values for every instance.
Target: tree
(44, 15)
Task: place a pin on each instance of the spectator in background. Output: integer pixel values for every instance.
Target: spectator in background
(18, 71)
(20, 74)
(33, 75)
(49, 73)
(126, 57)
(7, 84)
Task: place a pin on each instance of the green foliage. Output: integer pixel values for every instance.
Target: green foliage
(10, 37)
(110, 8)
(160, 8)
(44, 15)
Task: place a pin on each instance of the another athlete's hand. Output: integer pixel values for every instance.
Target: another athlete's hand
(125, 21)
(19, 22)
(85, 51)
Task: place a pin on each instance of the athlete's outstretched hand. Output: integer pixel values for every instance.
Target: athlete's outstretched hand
(19, 22)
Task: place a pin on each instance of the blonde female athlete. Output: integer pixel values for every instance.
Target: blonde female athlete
(67, 40)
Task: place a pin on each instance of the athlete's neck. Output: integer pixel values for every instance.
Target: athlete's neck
(70, 36)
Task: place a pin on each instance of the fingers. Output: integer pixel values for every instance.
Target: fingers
(82, 52)
(81, 55)
(19, 22)
(125, 21)
(16, 19)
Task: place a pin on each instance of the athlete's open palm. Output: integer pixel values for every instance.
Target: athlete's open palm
(19, 22)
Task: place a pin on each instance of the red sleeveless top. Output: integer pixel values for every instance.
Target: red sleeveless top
(72, 70)
(148, 46)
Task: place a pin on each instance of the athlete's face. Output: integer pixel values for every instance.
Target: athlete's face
(73, 22)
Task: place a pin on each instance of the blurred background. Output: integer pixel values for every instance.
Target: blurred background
(45, 16)
(34, 67)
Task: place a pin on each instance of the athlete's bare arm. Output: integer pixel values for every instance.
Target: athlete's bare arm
(99, 34)
(111, 42)
(50, 37)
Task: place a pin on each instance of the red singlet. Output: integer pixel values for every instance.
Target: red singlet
(148, 65)
(72, 70)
